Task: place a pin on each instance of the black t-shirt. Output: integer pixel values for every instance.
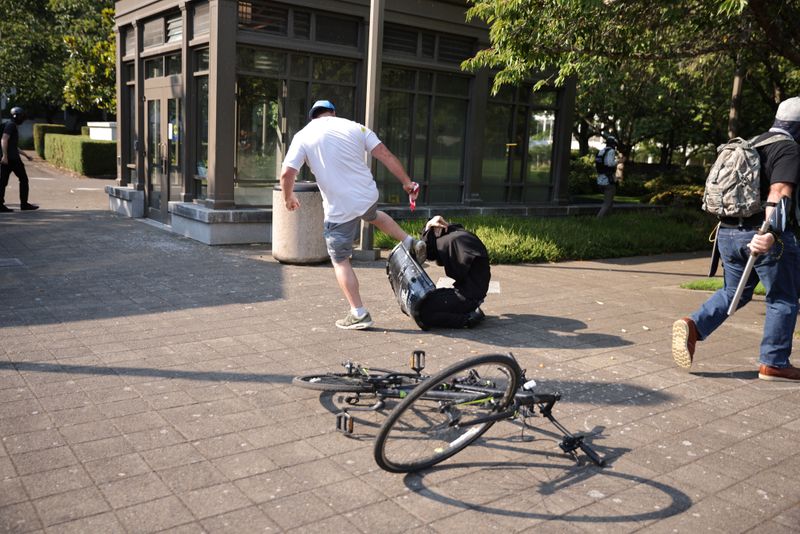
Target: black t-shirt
(780, 163)
(10, 129)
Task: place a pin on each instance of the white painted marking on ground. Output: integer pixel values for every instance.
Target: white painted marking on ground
(42, 178)
(445, 282)
(87, 189)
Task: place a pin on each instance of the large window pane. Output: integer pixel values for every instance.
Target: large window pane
(421, 128)
(201, 19)
(392, 77)
(447, 148)
(452, 85)
(343, 97)
(496, 148)
(333, 70)
(257, 150)
(202, 136)
(395, 119)
(337, 30)
(261, 61)
(540, 147)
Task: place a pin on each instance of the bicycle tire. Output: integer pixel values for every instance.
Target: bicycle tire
(341, 382)
(420, 432)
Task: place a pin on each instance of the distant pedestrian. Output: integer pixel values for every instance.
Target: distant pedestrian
(606, 165)
(465, 259)
(776, 265)
(12, 162)
(334, 149)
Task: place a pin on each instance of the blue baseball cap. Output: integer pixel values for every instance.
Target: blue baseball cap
(320, 105)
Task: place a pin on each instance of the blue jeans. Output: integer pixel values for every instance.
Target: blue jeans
(779, 273)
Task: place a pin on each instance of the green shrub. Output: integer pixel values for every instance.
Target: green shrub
(582, 176)
(40, 130)
(689, 196)
(81, 154)
(550, 239)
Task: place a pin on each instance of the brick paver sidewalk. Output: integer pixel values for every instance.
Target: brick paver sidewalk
(145, 386)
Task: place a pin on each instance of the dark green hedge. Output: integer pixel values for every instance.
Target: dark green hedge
(39, 131)
(81, 154)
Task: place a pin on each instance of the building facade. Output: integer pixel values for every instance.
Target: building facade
(210, 93)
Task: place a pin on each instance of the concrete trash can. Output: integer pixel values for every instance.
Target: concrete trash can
(297, 235)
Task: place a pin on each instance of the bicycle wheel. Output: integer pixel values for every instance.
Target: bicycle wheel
(341, 382)
(434, 422)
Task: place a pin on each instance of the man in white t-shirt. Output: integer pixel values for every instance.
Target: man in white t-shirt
(334, 149)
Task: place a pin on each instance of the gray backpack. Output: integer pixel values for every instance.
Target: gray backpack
(733, 187)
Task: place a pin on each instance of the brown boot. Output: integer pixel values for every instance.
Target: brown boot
(779, 374)
(684, 338)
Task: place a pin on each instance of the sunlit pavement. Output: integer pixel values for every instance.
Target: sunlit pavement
(145, 385)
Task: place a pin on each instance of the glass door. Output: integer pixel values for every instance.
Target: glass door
(174, 146)
(154, 160)
(163, 159)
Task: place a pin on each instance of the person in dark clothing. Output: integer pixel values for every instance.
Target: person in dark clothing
(465, 260)
(12, 162)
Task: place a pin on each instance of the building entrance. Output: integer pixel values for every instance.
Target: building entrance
(163, 142)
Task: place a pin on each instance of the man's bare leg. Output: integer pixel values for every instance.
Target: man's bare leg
(346, 277)
(388, 226)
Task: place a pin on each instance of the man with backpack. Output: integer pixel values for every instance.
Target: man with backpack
(606, 165)
(774, 159)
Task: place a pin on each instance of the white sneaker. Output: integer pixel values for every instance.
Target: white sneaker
(351, 322)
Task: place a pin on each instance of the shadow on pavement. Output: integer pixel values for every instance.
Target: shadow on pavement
(537, 331)
(212, 376)
(739, 375)
(88, 265)
(524, 497)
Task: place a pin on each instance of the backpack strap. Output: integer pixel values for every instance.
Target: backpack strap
(772, 139)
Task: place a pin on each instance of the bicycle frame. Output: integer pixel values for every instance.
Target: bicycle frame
(398, 385)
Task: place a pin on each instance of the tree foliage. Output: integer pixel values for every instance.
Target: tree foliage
(58, 53)
(31, 54)
(87, 27)
(656, 70)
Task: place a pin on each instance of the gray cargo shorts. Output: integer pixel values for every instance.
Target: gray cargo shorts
(339, 237)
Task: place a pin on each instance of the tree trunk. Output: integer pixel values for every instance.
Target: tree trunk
(736, 100)
(583, 132)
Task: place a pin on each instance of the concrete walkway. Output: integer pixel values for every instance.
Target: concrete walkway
(145, 385)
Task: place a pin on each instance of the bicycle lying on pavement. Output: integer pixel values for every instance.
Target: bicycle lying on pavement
(440, 415)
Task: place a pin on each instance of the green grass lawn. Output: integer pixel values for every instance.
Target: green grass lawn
(712, 284)
(552, 239)
(598, 197)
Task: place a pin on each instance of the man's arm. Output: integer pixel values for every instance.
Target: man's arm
(288, 176)
(4, 144)
(390, 161)
(762, 243)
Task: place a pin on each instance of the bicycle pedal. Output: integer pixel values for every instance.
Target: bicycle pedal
(417, 361)
(570, 444)
(344, 422)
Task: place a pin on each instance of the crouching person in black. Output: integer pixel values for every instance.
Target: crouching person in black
(466, 261)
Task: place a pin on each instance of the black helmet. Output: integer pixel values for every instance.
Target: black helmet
(611, 140)
(18, 114)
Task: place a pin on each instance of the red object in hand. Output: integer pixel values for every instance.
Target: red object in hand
(412, 201)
